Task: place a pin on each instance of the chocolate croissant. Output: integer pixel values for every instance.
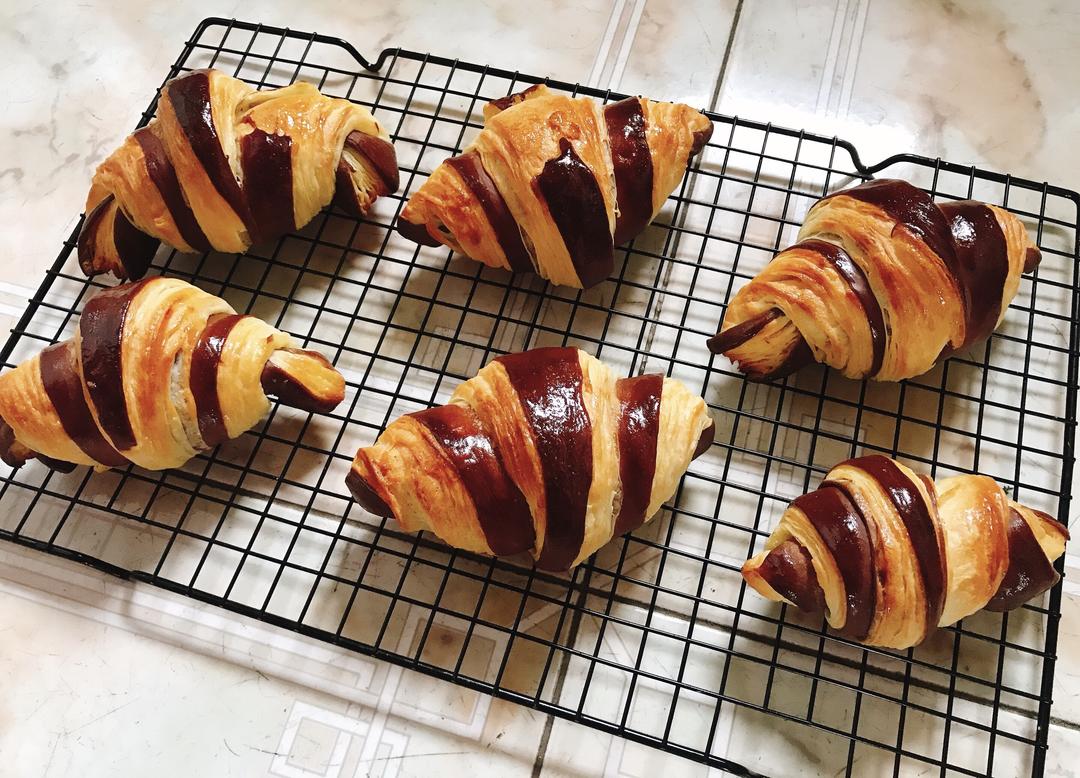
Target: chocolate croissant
(224, 166)
(882, 284)
(552, 184)
(157, 371)
(542, 451)
(887, 555)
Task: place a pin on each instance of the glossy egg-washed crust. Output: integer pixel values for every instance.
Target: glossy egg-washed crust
(223, 166)
(887, 555)
(157, 371)
(553, 183)
(543, 451)
(881, 284)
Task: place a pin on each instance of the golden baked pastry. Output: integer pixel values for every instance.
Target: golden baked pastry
(887, 555)
(553, 183)
(157, 371)
(881, 284)
(224, 166)
(542, 451)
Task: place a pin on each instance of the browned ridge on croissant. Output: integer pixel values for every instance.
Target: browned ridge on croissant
(159, 371)
(215, 171)
(554, 183)
(887, 556)
(882, 283)
(543, 451)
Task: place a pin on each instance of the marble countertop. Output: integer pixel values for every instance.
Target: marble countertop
(104, 677)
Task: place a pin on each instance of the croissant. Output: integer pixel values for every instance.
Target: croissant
(157, 371)
(224, 166)
(888, 555)
(542, 451)
(881, 284)
(553, 183)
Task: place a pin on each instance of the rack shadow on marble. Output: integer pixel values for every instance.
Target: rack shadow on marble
(655, 638)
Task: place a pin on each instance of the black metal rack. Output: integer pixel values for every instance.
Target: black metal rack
(655, 638)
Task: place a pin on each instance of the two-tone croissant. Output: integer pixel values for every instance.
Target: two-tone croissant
(224, 166)
(887, 555)
(882, 284)
(157, 371)
(542, 451)
(552, 184)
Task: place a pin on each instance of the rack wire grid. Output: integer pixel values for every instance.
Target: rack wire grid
(655, 638)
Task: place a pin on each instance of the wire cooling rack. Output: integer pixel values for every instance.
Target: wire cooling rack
(655, 638)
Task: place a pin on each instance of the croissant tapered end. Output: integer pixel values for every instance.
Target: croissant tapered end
(881, 284)
(158, 371)
(500, 104)
(786, 573)
(223, 166)
(543, 452)
(110, 243)
(303, 379)
(553, 183)
(1036, 540)
(367, 171)
(365, 495)
(12, 452)
(887, 555)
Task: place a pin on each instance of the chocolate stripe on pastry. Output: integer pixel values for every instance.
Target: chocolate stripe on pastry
(982, 265)
(843, 530)
(799, 357)
(190, 99)
(577, 207)
(135, 248)
(913, 208)
(789, 571)
(548, 382)
(471, 169)
(921, 529)
(102, 332)
(88, 236)
(266, 160)
(205, 359)
(345, 196)
(161, 171)
(58, 465)
(638, 429)
(632, 162)
(1029, 573)
(733, 337)
(860, 287)
(63, 384)
(500, 507)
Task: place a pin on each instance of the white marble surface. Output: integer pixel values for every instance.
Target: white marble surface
(101, 677)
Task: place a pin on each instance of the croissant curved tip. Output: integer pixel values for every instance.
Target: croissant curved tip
(303, 379)
(12, 452)
(705, 441)
(701, 139)
(417, 233)
(1032, 258)
(365, 495)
